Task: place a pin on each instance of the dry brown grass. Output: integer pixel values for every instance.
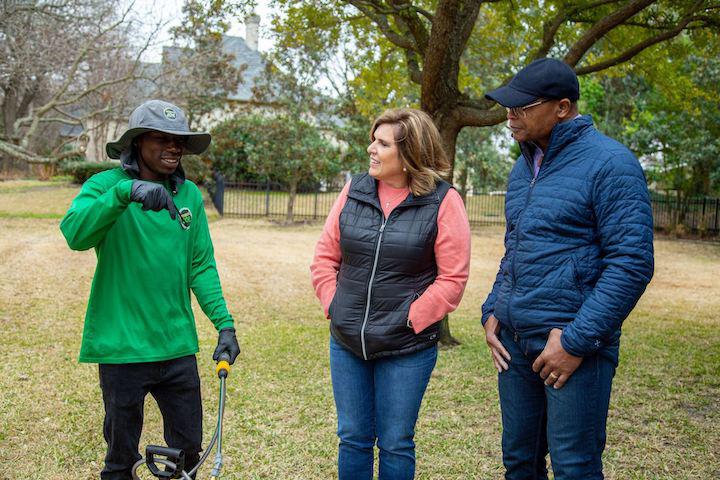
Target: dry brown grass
(33, 198)
(280, 418)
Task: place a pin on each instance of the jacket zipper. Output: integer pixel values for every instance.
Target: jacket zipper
(369, 291)
(517, 243)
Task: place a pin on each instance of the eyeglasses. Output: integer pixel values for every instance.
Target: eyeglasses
(520, 111)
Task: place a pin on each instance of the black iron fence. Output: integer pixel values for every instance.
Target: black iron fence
(699, 215)
(255, 200)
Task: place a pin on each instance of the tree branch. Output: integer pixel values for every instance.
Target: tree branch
(635, 50)
(474, 117)
(410, 22)
(551, 27)
(477, 103)
(381, 21)
(602, 27)
(20, 153)
(413, 67)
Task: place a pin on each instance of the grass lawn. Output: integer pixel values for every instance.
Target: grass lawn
(280, 421)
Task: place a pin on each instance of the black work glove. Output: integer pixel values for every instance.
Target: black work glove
(227, 343)
(153, 196)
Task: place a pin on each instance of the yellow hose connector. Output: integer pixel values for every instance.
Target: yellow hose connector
(222, 365)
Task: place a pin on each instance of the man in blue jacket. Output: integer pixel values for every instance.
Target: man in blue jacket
(578, 256)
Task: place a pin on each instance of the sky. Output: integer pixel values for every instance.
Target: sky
(170, 11)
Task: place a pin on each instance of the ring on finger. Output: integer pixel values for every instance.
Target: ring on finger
(552, 375)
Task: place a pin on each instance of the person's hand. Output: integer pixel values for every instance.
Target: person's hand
(554, 364)
(153, 196)
(227, 343)
(500, 356)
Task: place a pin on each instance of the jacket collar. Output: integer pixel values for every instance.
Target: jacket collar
(561, 136)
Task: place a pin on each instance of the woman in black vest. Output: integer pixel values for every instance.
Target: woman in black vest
(392, 261)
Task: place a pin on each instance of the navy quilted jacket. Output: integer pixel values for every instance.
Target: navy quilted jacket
(578, 242)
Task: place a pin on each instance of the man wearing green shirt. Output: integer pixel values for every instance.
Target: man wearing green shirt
(148, 227)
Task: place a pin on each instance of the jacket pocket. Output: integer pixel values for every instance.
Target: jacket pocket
(577, 278)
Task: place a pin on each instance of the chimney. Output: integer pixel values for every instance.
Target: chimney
(252, 23)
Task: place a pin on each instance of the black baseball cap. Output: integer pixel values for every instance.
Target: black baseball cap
(544, 78)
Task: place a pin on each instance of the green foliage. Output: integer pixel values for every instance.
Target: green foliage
(478, 163)
(280, 147)
(196, 169)
(328, 40)
(676, 132)
(82, 170)
(289, 149)
(198, 75)
(227, 153)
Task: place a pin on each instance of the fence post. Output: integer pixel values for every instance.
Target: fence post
(315, 206)
(267, 198)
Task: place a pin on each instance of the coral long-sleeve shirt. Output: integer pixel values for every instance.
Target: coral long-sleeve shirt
(452, 255)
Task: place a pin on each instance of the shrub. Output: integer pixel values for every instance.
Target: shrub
(196, 169)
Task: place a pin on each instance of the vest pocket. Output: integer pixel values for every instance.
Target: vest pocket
(331, 307)
(416, 295)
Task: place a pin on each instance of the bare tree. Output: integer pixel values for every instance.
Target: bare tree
(63, 62)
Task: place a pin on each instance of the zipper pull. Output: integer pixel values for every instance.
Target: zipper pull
(532, 182)
(382, 227)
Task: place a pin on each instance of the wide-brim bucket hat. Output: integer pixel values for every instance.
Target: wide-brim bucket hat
(159, 116)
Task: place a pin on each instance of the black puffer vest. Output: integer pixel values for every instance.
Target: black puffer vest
(386, 265)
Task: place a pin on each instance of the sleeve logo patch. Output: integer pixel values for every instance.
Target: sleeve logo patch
(185, 217)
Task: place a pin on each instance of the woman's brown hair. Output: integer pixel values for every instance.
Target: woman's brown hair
(419, 147)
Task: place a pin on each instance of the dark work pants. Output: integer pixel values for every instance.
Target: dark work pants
(175, 385)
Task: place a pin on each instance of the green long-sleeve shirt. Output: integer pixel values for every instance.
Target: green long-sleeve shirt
(139, 308)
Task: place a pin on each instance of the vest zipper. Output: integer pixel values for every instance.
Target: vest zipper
(369, 292)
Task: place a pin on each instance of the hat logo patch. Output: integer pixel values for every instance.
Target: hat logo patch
(185, 216)
(170, 113)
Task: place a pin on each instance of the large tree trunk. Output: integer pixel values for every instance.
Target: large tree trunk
(9, 111)
(462, 181)
(15, 106)
(446, 338)
(448, 132)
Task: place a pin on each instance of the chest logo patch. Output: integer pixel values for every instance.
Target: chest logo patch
(185, 217)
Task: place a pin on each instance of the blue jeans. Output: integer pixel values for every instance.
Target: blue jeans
(568, 422)
(378, 400)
